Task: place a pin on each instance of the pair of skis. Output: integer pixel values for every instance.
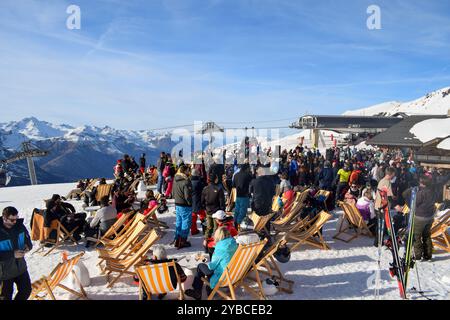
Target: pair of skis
(400, 266)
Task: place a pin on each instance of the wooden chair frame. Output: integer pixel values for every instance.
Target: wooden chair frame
(354, 221)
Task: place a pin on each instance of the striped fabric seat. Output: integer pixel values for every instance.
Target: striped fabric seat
(260, 222)
(351, 221)
(47, 284)
(103, 190)
(137, 256)
(236, 271)
(155, 279)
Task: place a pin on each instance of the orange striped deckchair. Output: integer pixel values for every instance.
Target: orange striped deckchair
(155, 279)
(236, 271)
(47, 284)
(62, 235)
(125, 246)
(123, 265)
(310, 233)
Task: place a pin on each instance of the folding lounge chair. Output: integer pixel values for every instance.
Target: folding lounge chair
(123, 265)
(325, 194)
(236, 271)
(62, 234)
(155, 279)
(113, 231)
(351, 220)
(260, 222)
(268, 266)
(439, 232)
(310, 233)
(117, 252)
(125, 232)
(103, 190)
(47, 284)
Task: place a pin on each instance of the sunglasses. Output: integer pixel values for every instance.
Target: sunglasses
(11, 220)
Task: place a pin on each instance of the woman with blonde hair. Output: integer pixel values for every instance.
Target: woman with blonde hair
(225, 248)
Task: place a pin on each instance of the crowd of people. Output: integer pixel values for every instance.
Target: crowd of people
(219, 194)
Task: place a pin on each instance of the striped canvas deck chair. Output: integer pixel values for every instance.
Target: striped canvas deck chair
(47, 284)
(260, 222)
(103, 190)
(269, 267)
(234, 275)
(352, 224)
(310, 233)
(155, 279)
(125, 232)
(123, 265)
(116, 252)
(439, 232)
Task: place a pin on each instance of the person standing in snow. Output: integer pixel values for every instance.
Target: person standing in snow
(142, 164)
(15, 242)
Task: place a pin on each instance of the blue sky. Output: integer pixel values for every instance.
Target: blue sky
(157, 63)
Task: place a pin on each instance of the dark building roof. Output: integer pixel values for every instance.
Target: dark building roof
(399, 136)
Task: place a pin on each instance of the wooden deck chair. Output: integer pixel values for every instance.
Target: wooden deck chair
(310, 233)
(231, 201)
(103, 190)
(47, 284)
(155, 279)
(269, 266)
(325, 194)
(260, 222)
(116, 252)
(439, 232)
(125, 232)
(113, 231)
(236, 271)
(62, 235)
(89, 186)
(133, 186)
(123, 265)
(152, 219)
(351, 221)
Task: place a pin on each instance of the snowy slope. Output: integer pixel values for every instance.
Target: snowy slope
(344, 272)
(437, 102)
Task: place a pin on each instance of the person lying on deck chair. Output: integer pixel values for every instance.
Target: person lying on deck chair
(159, 255)
(225, 248)
(102, 221)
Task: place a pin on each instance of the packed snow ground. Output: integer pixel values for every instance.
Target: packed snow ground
(344, 272)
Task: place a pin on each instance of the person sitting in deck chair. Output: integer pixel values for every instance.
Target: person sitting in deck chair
(226, 246)
(75, 193)
(159, 255)
(68, 216)
(102, 221)
(221, 220)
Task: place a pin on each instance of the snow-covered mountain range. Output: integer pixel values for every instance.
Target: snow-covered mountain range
(76, 152)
